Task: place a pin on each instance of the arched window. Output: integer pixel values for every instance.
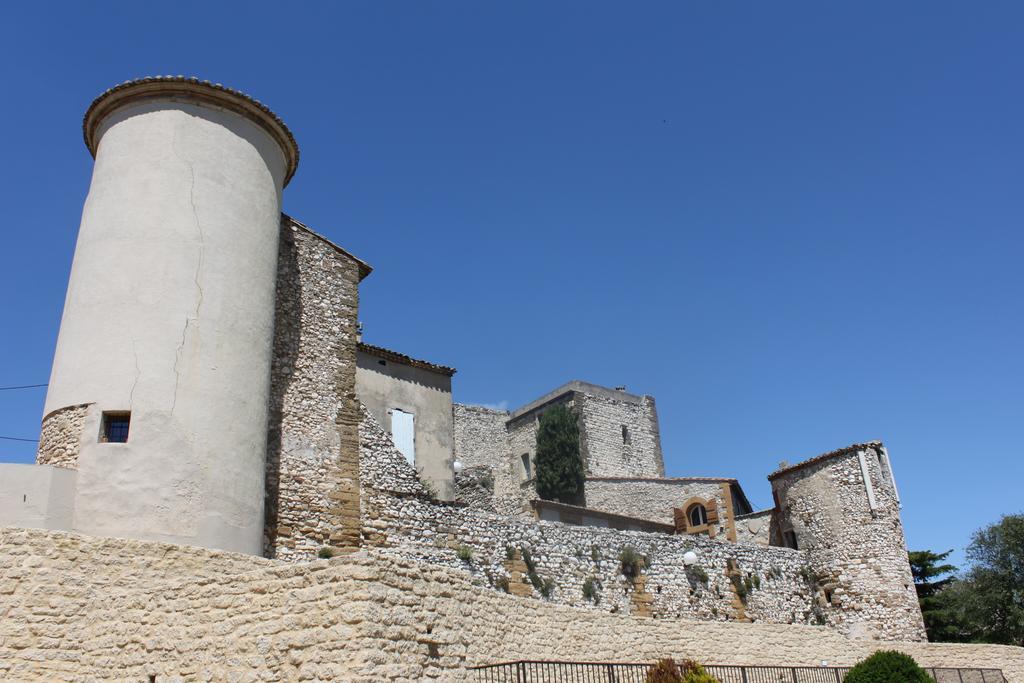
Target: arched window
(697, 515)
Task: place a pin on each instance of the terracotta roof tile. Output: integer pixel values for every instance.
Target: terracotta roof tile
(387, 354)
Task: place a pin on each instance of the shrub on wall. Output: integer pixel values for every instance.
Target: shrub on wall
(559, 467)
(885, 666)
(631, 562)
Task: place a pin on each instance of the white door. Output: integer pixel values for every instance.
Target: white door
(403, 431)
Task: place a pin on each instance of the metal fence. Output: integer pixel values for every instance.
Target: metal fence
(617, 672)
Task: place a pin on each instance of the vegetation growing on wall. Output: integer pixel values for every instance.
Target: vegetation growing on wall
(559, 467)
(631, 562)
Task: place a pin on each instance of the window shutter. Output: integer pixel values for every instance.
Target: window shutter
(712, 507)
(680, 519)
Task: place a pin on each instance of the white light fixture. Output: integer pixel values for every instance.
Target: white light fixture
(457, 466)
(689, 558)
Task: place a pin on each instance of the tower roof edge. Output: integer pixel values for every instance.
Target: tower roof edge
(152, 87)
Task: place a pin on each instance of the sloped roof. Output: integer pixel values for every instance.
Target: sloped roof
(364, 267)
(396, 357)
(825, 456)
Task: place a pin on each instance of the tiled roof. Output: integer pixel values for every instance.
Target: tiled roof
(825, 456)
(402, 358)
(222, 96)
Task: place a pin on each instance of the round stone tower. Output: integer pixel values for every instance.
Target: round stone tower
(160, 381)
(843, 509)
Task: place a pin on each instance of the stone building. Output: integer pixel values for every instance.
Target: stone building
(228, 402)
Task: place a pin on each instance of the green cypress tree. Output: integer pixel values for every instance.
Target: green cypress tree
(927, 570)
(559, 467)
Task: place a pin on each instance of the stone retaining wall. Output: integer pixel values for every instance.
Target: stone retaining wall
(398, 515)
(366, 617)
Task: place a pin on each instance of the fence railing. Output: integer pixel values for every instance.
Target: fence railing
(524, 671)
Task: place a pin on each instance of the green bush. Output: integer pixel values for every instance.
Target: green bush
(631, 562)
(591, 588)
(325, 553)
(547, 587)
(695, 673)
(464, 553)
(885, 666)
(510, 553)
(698, 573)
(528, 561)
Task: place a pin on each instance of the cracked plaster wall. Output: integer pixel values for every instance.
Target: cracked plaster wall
(169, 314)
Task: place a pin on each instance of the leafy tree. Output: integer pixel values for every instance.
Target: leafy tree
(886, 666)
(928, 572)
(559, 467)
(987, 604)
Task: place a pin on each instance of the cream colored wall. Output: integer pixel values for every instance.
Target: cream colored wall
(425, 394)
(37, 496)
(80, 608)
(169, 314)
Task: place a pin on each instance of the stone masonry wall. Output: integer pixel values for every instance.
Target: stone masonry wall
(607, 452)
(859, 555)
(398, 515)
(651, 499)
(361, 618)
(61, 435)
(482, 446)
(480, 435)
(755, 527)
(312, 445)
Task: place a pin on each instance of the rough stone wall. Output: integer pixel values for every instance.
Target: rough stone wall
(755, 527)
(365, 617)
(606, 452)
(399, 515)
(312, 446)
(474, 487)
(480, 435)
(60, 436)
(651, 499)
(482, 446)
(859, 555)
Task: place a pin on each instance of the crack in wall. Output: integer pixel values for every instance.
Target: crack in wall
(194, 318)
(138, 373)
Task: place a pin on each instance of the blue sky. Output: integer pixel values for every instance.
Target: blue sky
(797, 225)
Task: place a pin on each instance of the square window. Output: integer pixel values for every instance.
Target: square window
(115, 427)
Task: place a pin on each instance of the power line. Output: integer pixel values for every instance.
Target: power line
(23, 386)
(14, 438)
